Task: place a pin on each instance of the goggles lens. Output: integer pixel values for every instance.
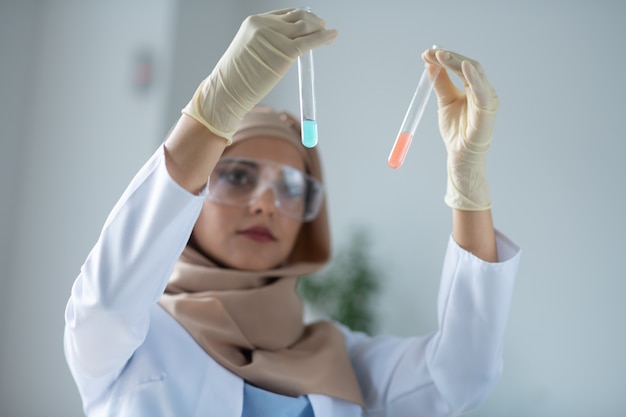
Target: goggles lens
(241, 181)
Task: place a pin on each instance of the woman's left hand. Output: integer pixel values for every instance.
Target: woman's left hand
(466, 120)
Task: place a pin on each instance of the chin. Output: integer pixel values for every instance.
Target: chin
(260, 266)
(259, 263)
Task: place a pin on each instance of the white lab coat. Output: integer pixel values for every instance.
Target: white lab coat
(130, 358)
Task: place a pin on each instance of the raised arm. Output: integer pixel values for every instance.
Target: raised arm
(466, 121)
(125, 274)
(260, 54)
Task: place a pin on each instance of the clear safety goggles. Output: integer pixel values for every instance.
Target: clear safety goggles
(241, 181)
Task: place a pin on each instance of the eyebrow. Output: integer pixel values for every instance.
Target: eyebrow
(246, 162)
(288, 172)
(283, 168)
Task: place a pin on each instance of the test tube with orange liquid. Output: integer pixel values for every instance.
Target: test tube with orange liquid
(412, 118)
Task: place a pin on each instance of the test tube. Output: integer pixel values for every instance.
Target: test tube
(412, 118)
(306, 80)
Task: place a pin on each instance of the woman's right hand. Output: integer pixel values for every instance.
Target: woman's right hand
(261, 53)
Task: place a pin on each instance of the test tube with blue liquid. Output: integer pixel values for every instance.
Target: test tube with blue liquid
(412, 117)
(306, 80)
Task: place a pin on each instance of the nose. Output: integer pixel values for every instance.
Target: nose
(264, 204)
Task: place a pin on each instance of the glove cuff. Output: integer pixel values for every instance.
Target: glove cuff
(467, 187)
(219, 119)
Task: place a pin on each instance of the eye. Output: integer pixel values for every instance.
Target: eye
(238, 175)
(292, 190)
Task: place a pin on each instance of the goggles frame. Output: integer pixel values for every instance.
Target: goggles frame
(241, 182)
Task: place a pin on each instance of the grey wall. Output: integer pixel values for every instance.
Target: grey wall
(74, 131)
(556, 168)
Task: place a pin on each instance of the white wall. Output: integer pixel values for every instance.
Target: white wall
(556, 169)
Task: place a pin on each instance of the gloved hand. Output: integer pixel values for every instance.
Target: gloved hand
(466, 120)
(260, 54)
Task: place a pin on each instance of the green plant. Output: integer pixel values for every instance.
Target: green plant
(345, 290)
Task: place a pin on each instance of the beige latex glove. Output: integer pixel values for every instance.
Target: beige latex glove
(466, 120)
(262, 51)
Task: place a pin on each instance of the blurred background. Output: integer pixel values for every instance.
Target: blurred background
(89, 89)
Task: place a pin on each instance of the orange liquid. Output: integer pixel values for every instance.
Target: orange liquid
(400, 148)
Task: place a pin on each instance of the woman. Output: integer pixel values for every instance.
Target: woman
(187, 305)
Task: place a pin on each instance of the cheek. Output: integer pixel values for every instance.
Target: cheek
(212, 226)
(217, 215)
(291, 231)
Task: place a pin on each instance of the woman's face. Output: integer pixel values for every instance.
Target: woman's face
(254, 237)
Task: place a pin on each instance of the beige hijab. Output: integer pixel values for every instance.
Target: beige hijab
(251, 322)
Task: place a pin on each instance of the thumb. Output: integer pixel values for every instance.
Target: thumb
(444, 87)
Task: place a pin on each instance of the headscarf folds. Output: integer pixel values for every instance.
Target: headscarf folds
(251, 322)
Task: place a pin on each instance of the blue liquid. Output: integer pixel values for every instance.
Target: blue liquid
(309, 133)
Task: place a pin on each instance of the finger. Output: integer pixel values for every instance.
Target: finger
(444, 87)
(296, 15)
(475, 84)
(453, 61)
(315, 39)
(281, 12)
(479, 88)
(298, 23)
(450, 61)
(429, 56)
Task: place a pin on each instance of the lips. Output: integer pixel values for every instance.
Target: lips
(259, 234)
